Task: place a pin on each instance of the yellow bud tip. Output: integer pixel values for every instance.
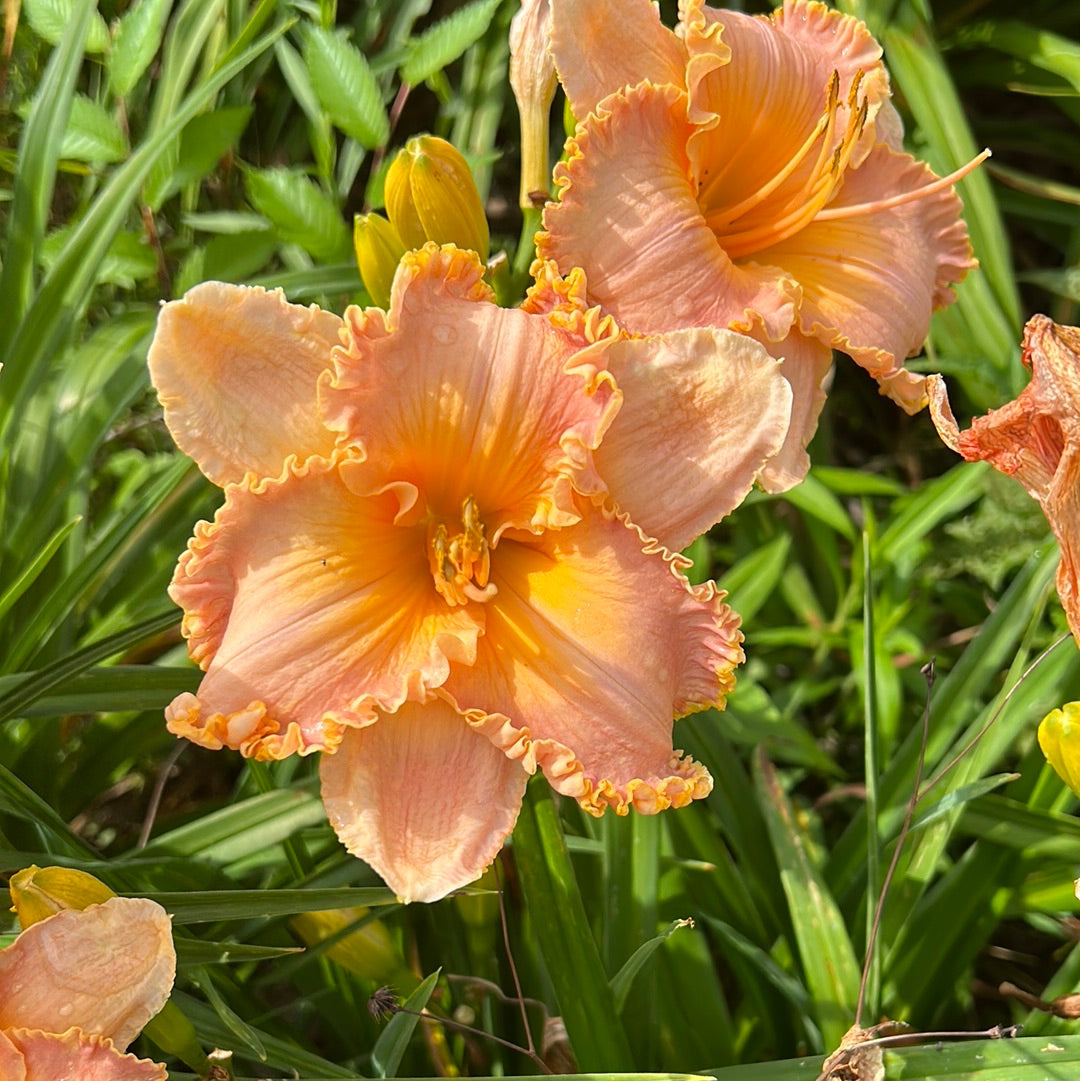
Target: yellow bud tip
(1059, 738)
(40, 892)
(378, 251)
(431, 195)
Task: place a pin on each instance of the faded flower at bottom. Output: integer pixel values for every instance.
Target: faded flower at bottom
(77, 987)
(445, 557)
(1035, 439)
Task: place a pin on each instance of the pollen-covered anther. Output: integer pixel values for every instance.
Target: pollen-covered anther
(804, 202)
(461, 564)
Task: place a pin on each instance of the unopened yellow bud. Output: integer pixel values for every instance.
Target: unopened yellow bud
(378, 251)
(40, 892)
(431, 195)
(1059, 738)
(367, 951)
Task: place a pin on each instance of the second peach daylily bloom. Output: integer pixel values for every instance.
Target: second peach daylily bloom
(746, 171)
(1035, 439)
(76, 989)
(445, 553)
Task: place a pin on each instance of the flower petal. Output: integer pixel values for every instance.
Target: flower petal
(308, 605)
(464, 399)
(78, 1056)
(422, 799)
(908, 253)
(1035, 439)
(628, 216)
(759, 89)
(594, 642)
(236, 369)
(807, 366)
(703, 411)
(602, 45)
(106, 969)
(12, 1063)
(747, 75)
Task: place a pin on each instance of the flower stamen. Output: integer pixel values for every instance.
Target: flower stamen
(461, 564)
(939, 184)
(824, 177)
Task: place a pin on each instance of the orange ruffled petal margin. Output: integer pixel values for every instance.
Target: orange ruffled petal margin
(628, 215)
(310, 605)
(703, 412)
(466, 399)
(602, 45)
(236, 369)
(594, 642)
(105, 969)
(31, 1055)
(422, 799)
(1035, 439)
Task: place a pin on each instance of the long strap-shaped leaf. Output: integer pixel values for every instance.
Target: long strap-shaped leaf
(565, 938)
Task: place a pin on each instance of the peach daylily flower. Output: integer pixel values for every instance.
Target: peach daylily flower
(445, 552)
(1035, 439)
(76, 989)
(746, 171)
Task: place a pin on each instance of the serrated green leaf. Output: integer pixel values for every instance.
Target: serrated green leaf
(444, 42)
(345, 86)
(92, 134)
(128, 260)
(137, 39)
(301, 211)
(50, 18)
(203, 143)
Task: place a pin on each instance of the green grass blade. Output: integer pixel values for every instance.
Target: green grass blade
(828, 960)
(47, 324)
(564, 937)
(623, 980)
(36, 684)
(35, 173)
(210, 906)
(390, 1047)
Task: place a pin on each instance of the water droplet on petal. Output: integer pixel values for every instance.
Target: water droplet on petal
(444, 334)
(682, 307)
(65, 1009)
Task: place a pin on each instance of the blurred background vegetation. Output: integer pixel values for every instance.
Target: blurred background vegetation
(145, 147)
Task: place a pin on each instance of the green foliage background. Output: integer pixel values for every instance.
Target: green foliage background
(147, 146)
